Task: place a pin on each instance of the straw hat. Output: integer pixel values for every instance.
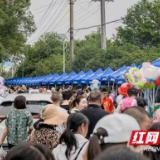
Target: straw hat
(52, 116)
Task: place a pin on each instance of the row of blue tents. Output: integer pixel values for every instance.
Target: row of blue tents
(73, 78)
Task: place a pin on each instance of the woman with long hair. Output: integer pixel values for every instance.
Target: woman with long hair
(79, 103)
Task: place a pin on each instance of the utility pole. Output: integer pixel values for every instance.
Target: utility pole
(103, 23)
(71, 33)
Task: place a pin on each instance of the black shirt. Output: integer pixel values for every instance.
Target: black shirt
(94, 113)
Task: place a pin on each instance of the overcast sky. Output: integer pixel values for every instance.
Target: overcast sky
(53, 15)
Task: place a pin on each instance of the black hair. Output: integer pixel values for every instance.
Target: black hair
(141, 102)
(66, 95)
(132, 92)
(20, 102)
(97, 144)
(75, 102)
(27, 152)
(104, 90)
(121, 153)
(74, 121)
(74, 92)
(150, 154)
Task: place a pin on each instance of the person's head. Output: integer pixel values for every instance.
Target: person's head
(60, 90)
(111, 130)
(52, 116)
(132, 92)
(95, 97)
(40, 90)
(74, 93)
(141, 116)
(12, 90)
(141, 102)
(44, 89)
(105, 93)
(20, 102)
(53, 90)
(28, 152)
(95, 84)
(56, 97)
(76, 123)
(120, 153)
(79, 102)
(23, 87)
(150, 154)
(66, 95)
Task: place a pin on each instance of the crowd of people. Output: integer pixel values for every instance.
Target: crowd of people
(90, 124)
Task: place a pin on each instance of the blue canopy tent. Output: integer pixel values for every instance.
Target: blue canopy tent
(99, 76)
(119, 80)
(156, 63)
(85, 80)
(96, 76)
(53, 81)
(45, 81)
(77, 79)
(112, 77)
(70, 79)
(62, 80)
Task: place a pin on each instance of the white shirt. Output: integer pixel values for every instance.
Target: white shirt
(60, 128)
(59, 151)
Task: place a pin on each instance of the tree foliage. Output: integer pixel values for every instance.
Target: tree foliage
(16, 23)
(141, 25)
(44, 57)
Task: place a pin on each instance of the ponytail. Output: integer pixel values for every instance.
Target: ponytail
(74, 121)
(94, 148)
(70, 141)
(96, 144)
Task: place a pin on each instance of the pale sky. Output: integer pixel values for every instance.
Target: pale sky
(86, 13)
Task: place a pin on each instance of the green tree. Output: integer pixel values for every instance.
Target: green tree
(44, 57)
(141, 25)
(16, 23)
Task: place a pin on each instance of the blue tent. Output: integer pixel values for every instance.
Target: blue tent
(53, 81)
(112, 77)
(133, 65)
(45, 81)
(61, 81)
(119, 80)
(85, 80)
(70, 79)
(77, 79)
(99, 76)
(156, 63)
(106, 74)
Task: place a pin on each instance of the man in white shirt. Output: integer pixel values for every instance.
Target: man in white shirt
(56, 99)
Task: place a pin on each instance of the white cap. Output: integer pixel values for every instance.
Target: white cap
(118, 126)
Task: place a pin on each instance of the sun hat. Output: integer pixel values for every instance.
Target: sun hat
(51, 115)
(124, 88)
(118, 126)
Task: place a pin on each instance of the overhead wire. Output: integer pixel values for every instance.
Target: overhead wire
(45, 9)
(40, 22)
(44, 28)
(77, 18)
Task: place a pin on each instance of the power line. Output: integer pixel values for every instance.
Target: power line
(99, 25)
(44, 15)
(77, 18)
(61, 19)
(44, 28)
(45, 9)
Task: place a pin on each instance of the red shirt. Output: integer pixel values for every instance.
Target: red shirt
(108, 105)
